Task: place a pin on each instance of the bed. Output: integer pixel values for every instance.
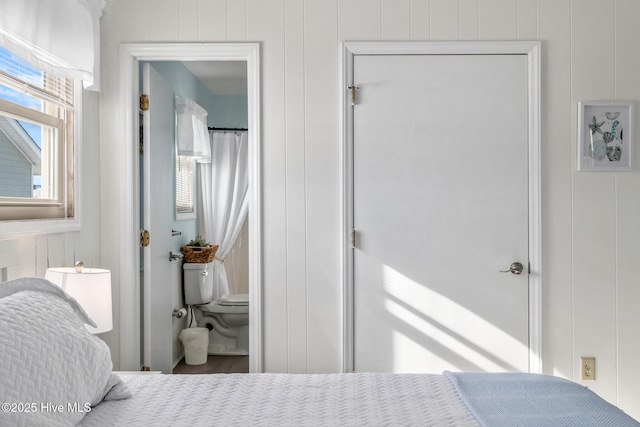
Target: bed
(55, 373)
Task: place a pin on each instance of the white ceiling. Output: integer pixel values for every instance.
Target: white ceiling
(221, 77)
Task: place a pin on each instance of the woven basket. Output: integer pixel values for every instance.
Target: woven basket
(198, 254)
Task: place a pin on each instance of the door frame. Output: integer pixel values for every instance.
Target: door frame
(130, 56)
(530, 48)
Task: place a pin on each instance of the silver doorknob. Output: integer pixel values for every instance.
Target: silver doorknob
(515, 268)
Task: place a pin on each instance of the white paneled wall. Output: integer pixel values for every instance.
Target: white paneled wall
(594, 266)
(591, 221)
(627, 289)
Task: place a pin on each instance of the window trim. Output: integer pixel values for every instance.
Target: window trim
(25, 227)
(49, 208)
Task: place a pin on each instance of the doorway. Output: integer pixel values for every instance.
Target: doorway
(220, 89)
(130, 295)
(435, 214)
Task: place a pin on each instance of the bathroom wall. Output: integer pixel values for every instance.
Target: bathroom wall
(229, 111)
(590, 220)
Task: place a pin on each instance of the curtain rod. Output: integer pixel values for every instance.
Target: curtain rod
(229, 129)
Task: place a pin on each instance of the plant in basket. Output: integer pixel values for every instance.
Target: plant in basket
(199, 241)
(198, 250)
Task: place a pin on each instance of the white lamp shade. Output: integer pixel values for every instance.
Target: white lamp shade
(92, 290)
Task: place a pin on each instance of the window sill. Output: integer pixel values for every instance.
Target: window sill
(19, 228)
(185, 215)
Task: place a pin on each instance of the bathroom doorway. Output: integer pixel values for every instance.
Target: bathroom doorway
(156, 271)
(205, 198)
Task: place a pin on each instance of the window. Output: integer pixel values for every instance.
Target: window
(185, 189)
(37, 116)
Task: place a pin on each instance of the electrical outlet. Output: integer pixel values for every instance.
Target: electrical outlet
(588, 368)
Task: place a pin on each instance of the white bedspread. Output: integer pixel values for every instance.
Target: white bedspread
(285, 400)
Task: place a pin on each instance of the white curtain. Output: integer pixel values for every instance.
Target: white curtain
(61, 37)
(224, 187)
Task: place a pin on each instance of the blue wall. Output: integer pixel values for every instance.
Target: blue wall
(224, 111)
(229, 112)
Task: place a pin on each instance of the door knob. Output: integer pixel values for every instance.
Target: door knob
(515, 268)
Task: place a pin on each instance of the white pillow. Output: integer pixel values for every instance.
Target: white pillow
(53, 370)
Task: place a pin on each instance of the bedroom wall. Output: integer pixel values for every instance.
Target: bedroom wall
(590, 220)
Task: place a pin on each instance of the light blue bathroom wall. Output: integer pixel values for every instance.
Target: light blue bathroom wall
(186, 85)
(224, 111)
(229, 111)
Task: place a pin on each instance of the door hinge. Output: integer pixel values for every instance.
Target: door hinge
(144, 102)
(144, 238)
(353, 89)
(353, 238)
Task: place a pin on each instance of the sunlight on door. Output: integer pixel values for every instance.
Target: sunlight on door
(457, 338)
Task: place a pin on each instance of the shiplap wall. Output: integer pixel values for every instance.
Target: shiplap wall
(591, 226)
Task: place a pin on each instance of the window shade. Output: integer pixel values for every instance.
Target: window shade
(60, 37)
(192, 131)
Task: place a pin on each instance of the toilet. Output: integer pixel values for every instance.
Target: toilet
(226, 318)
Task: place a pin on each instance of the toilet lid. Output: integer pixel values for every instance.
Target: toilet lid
(234, 299)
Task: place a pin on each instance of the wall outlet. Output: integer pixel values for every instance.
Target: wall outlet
(588, 368)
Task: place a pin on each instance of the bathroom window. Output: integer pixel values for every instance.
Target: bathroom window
(37, 117)
(185, 187)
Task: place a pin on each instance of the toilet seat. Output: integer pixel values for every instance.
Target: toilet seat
(234, 300)
(230, 303)
(214, 307)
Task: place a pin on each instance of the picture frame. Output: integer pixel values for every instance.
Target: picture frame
(605, 136)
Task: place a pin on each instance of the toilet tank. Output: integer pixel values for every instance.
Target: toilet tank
(198, 283)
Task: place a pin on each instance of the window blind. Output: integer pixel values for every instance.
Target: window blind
(184, 184)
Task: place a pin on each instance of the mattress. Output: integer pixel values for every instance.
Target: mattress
(359, 399)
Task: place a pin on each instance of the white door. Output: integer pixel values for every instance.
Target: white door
(440, 191)
(158, 170)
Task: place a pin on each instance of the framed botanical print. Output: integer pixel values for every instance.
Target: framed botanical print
(605, 136)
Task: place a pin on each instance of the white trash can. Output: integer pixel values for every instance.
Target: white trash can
(196, 345)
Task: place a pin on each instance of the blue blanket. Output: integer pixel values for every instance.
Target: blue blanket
(534, 400)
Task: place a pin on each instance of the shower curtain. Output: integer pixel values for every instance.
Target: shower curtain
(224, 187)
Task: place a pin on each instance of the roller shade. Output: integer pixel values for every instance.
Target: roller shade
(192, 133)
(60, 37)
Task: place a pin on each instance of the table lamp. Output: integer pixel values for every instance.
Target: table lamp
(91, 287)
